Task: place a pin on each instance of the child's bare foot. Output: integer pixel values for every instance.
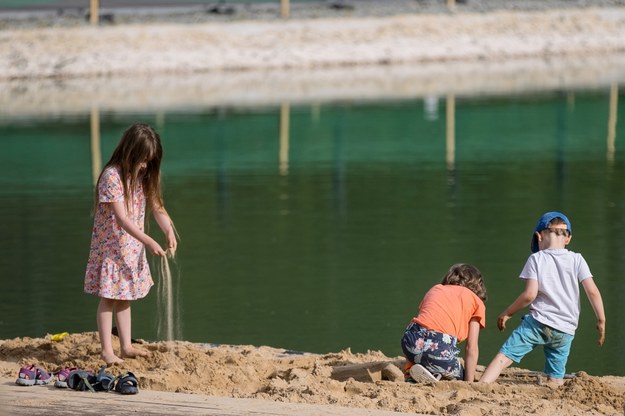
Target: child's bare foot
(110, 358)
(134, 353)
(552, 383)
(555, 382)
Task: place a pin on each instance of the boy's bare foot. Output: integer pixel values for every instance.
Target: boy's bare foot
(552, 383)
(134, 353)
(110, 358)
(555, 382)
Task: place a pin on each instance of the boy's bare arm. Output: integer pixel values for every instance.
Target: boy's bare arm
(594, 296)
(525, 298)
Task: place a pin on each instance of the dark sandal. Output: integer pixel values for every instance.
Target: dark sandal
(81, 380)
(127, 384)
(103, 380)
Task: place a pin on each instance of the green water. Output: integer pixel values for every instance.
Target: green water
(334, 247)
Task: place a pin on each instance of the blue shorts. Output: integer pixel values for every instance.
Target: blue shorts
(434, 350)
(530, 334)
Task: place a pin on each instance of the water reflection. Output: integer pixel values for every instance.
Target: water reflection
(319, 225)
(612, 120)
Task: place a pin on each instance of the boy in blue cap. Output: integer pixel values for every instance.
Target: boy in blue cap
(552, 275)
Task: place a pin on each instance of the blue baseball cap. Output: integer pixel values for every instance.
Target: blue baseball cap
(543, 223)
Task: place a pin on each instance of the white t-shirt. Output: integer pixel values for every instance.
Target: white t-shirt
(559, 272)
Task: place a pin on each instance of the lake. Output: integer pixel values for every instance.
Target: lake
(318, 224)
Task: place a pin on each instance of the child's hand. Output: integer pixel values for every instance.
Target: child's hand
(155, 248)
(601, 329)
(501, 321)
(172, 244)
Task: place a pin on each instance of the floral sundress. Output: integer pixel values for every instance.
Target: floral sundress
(117, 266)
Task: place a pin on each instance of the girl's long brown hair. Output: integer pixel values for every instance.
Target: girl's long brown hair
(139, 143)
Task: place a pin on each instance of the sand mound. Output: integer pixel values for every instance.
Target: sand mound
(369, 380)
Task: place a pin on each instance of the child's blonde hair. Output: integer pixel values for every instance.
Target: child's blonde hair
(462, 274)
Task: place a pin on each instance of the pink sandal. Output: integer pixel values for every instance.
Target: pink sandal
(62, 376)
(27, 376)
(31, 375)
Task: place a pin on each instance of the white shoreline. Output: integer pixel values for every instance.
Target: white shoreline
(147, 67)
(307, 43)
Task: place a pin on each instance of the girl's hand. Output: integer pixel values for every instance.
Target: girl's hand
(172, 244)
(155, 248)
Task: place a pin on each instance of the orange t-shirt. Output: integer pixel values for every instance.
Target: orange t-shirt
(449, 308)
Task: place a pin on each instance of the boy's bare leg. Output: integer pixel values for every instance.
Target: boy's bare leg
(499, 363)
(124, 328)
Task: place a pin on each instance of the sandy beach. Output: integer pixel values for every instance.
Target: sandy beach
(369, 381)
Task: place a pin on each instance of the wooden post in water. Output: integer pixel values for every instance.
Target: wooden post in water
(612, 119)
(285, 9)
(94, 16)
(96, 156)
(450, 142)
(284, 138)
(451, 4)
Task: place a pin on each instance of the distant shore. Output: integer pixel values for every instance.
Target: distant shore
(68, 69)
(321, 43)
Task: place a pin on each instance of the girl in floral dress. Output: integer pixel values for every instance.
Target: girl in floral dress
(450, 312)
(118, 270)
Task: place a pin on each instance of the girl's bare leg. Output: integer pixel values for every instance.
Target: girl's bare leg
(499, 363)
(124, 327)
(104, 317)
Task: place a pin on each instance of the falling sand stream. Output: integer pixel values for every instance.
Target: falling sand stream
(168, 303)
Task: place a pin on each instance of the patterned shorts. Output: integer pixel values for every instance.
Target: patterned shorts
(434, 350)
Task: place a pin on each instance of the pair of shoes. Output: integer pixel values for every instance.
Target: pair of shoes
(420, 374)
(31, 375)
(86, 380)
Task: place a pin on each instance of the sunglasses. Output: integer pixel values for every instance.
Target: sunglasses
(558, 231)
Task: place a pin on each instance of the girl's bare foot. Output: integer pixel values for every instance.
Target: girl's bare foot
(110, 358)
(134, 353)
